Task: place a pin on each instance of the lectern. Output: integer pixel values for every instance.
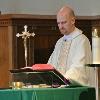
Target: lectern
(39, 74)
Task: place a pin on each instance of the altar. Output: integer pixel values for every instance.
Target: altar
(69, 93)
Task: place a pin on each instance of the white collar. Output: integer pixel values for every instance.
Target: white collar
(72, 35)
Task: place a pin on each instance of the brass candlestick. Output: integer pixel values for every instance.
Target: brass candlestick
(25, 34)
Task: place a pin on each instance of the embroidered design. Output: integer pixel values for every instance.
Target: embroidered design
(63, 56)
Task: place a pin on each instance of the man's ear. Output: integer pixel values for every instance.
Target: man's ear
(73, 20)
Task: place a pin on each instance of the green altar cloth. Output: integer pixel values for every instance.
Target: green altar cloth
(77, 93)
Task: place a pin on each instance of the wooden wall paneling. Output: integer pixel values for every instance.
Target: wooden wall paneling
(41, 46)
(86, 27)
(4, 56)
(11, 58)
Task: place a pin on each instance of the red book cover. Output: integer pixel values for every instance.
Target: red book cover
(43, 67)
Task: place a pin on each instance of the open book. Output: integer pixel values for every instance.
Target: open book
(40, 74)
(36, 67)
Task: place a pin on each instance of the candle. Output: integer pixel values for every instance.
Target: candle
(96, 47)
(94, 33)
(25, 28)
(95, 30)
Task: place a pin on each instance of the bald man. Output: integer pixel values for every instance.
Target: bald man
(72, 51)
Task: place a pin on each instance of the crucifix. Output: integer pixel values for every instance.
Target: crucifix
(25, 34)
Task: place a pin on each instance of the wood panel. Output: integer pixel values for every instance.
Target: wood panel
(4, 57)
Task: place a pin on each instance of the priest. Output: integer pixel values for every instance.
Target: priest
(72, 51)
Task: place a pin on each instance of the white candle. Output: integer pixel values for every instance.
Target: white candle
(95, 30)
(25, 28)
(94, 33)
(96, 50)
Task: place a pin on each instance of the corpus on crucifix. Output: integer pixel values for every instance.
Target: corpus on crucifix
(25, 35)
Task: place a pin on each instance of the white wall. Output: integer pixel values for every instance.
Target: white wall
(81, 7)
(9, 6)
(50, 7)
(85, 7)
(95, 7)
(47, 7)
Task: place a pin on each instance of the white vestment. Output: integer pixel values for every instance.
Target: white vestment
(79, 54)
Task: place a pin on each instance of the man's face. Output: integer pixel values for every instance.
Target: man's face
(65, 24)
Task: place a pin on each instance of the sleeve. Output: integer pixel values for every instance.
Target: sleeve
(50, 59)
(53, 58)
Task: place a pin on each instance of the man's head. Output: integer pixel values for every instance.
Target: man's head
(66, 20)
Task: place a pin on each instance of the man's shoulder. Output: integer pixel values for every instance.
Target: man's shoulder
(82, 37)
(81, 40)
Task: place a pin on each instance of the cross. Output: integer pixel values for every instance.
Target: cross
(25, 34)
